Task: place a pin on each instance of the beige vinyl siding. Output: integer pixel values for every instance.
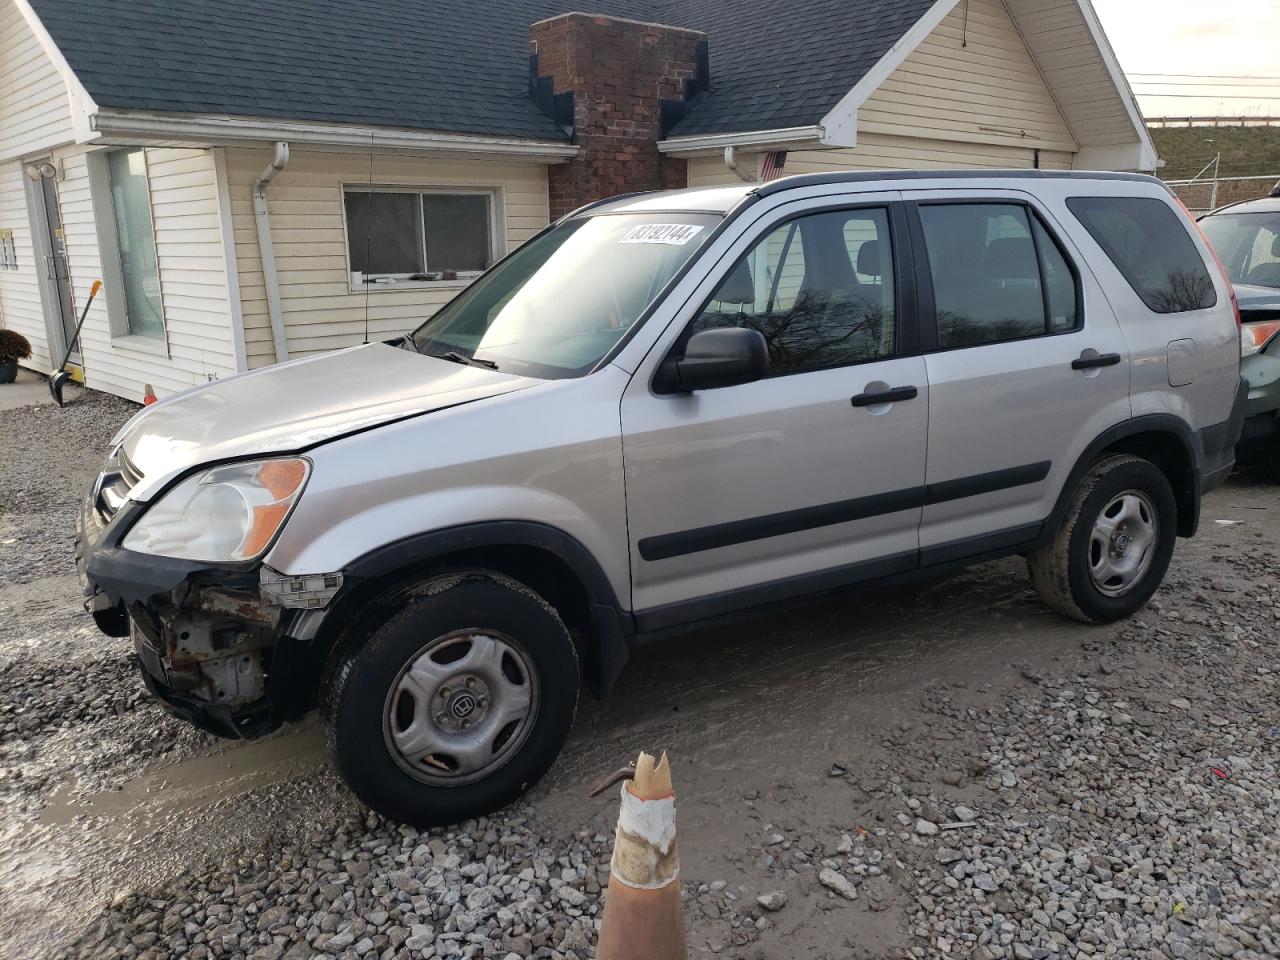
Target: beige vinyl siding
(192, 279)
(969, 96)
(19, 289)
(35, 113)
(1072, 63)
(882, 152)
(321, 310)
(971, 79)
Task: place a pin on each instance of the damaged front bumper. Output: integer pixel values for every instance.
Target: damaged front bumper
(226, 646)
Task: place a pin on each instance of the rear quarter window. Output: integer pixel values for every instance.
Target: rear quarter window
(1150, 246)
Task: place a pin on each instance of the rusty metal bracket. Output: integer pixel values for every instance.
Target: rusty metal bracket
(604, 783)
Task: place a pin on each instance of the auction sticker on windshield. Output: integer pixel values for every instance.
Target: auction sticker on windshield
(677, 234)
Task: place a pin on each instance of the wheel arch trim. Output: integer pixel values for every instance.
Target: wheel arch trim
(610, 627)
(1165, 426)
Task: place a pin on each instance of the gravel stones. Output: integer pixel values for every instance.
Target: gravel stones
(838, 883)
(1121, 805)
(773, 901)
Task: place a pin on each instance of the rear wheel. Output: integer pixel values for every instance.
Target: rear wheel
(455, 705)
(1114, 545)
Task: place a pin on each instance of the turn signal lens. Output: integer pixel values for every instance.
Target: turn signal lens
(1255, 336)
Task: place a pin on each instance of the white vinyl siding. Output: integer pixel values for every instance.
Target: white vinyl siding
(321, 310)
(189, 252)
(20, 307)
(35, 112)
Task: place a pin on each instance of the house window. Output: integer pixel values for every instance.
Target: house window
(135, 243)
(403, 234)
(8, 251)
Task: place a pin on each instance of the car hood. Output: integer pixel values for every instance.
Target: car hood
(1253, 297)
(292, 406)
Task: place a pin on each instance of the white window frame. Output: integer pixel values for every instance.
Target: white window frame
(104, 216)
(363, 283)
(8, 250)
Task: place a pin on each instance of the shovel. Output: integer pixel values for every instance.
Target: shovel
(59, 377)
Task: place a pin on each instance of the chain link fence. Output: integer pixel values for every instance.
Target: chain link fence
(1206, 193)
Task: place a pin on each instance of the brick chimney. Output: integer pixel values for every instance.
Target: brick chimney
(618, 85)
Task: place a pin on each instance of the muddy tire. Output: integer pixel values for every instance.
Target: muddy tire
(456, 704)
(1112, 549)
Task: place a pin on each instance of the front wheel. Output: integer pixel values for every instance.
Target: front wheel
(455, 705)
(1113, 547)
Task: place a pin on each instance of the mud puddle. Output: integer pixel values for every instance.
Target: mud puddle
(196, 781)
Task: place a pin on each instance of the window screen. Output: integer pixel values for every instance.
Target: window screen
(457, 231)
(417, 234)
(997, 274)
(818, 288)
(1149, 244)
(384, 233)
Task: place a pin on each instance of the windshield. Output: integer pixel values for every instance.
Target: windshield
(559, 304)
(1249, 245)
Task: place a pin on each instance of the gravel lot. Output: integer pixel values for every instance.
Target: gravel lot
(945, 770)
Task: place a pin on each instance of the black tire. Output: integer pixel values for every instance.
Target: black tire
(1060, 570)
(360, 678)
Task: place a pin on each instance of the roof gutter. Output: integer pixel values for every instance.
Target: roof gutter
(266, 252)
(206, 130)
(793, 138)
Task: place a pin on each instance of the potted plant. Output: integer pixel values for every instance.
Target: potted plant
(13, 347)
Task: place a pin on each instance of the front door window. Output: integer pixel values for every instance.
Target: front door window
(818, 288)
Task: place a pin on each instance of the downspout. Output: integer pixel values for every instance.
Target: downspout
(731, 161)
(270, 279)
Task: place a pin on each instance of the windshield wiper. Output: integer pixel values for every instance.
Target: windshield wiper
(469, 361)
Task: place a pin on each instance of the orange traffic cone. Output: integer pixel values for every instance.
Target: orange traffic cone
(642, 914)
(148, 395)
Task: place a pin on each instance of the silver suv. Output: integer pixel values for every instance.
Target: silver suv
(664, 410)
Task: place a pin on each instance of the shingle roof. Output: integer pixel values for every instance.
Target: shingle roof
(459, 66)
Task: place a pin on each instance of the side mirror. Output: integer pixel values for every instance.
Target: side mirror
(721, 357)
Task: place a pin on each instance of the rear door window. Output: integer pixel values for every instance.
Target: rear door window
(1150, 246)
(997, 274)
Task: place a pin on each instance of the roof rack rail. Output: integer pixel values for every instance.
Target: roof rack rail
(867, 176)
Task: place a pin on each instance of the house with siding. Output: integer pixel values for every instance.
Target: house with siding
(257, 182)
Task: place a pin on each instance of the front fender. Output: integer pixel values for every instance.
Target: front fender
(371, 536)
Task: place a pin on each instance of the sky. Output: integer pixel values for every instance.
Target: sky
(1218, 58)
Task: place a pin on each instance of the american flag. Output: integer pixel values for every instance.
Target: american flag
(773, 164)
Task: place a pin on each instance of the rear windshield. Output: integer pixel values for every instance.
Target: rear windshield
(1150, 245)
(1249, 245)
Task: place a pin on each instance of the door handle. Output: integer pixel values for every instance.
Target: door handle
(892, 395)
(1101, 360)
